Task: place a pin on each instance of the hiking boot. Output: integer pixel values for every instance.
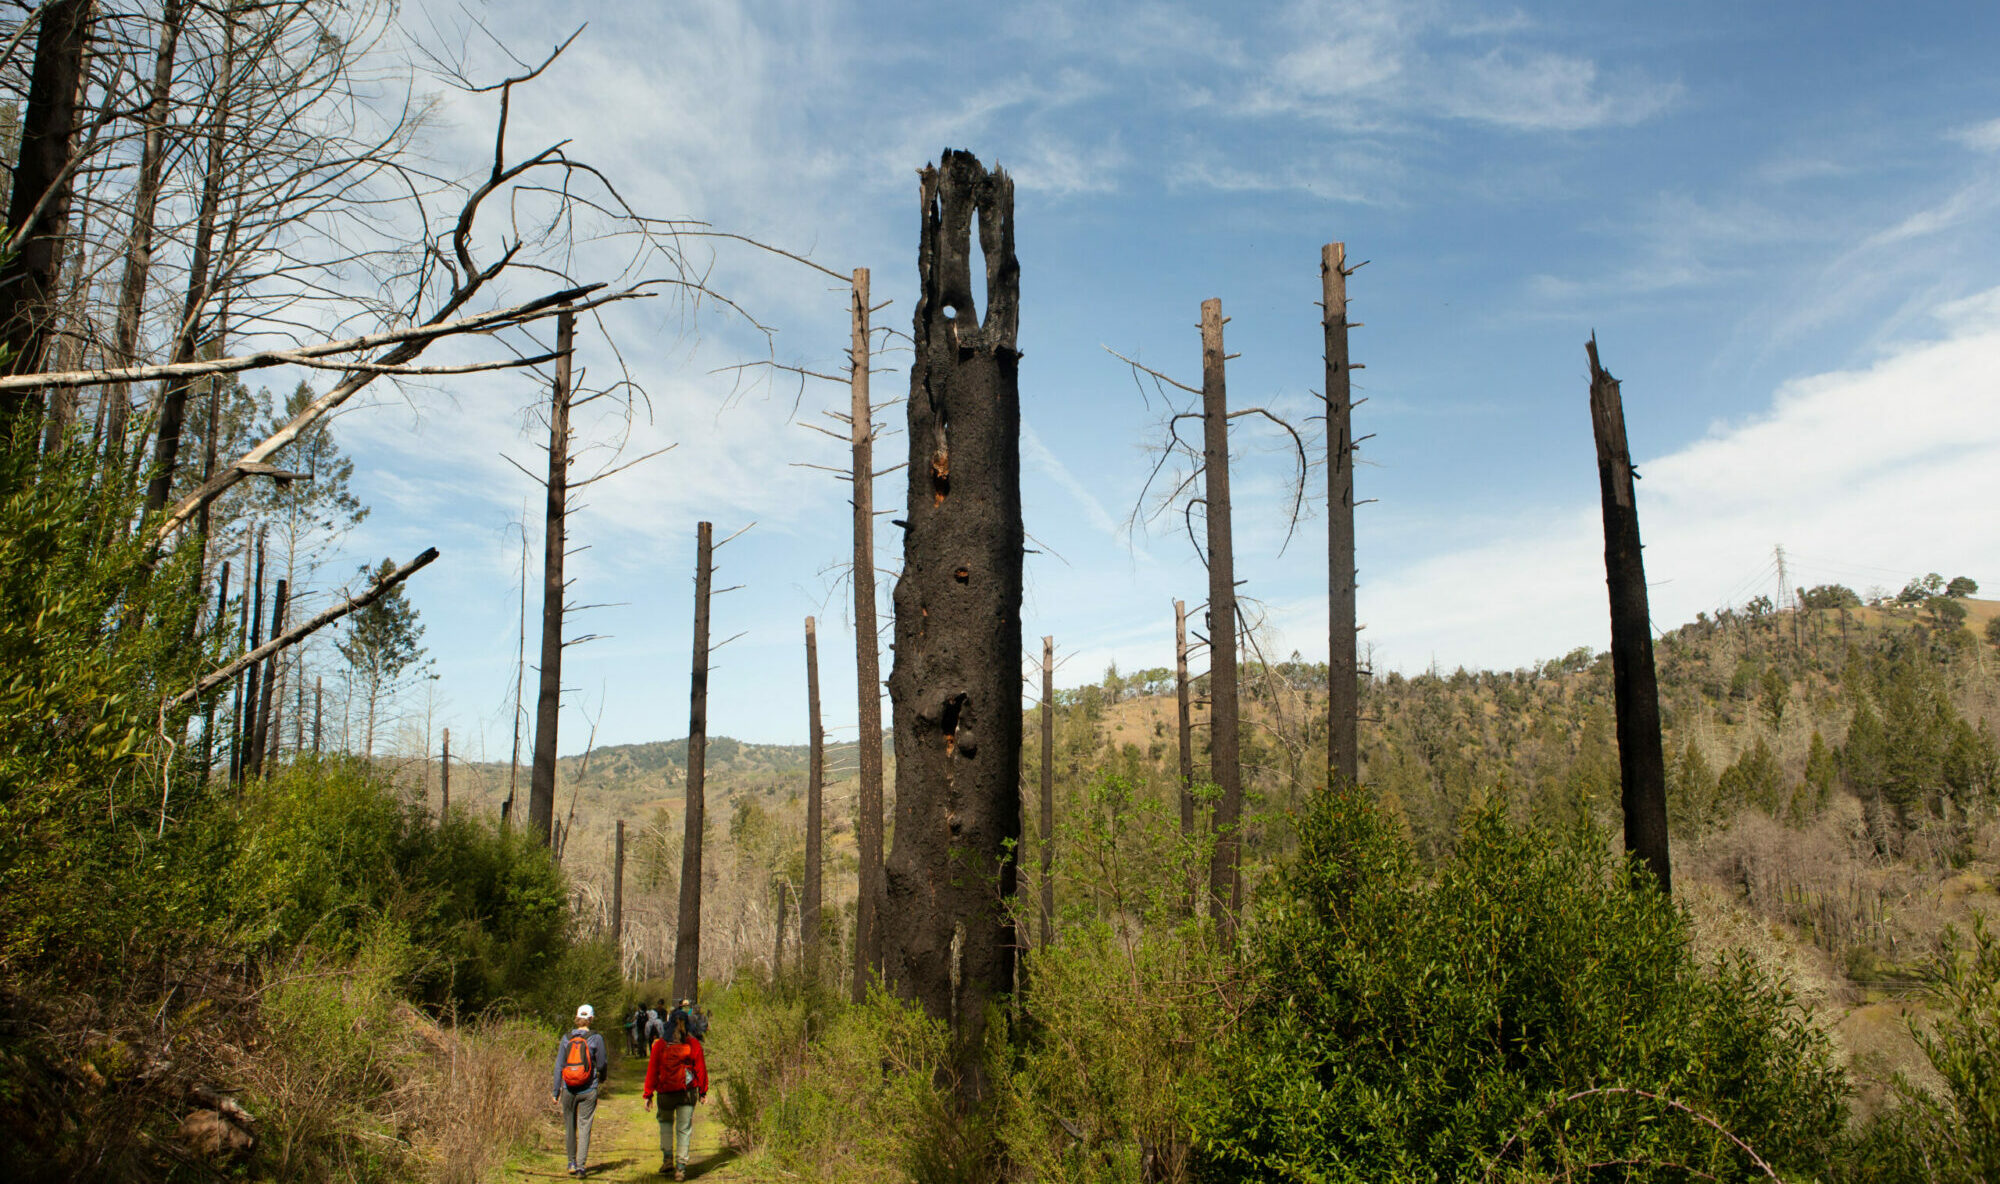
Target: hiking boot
(680, 1172)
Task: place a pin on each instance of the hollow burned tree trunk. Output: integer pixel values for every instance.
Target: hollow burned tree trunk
(815, 787)
(687, 935)
(1642, 766)
(955, 685)
(1343, 687)
(548, 702)
(1224, 883)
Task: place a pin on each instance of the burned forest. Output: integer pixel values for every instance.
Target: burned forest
(366, 371)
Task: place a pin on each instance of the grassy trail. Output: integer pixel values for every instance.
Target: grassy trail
(625, 1139)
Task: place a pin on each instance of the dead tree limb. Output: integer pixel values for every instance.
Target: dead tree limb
(298, 633)
(1642, 765)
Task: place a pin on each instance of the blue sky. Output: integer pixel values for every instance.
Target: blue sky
(1782, 221)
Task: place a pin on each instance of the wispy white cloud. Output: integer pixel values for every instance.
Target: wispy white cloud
(1980, 137)
(1892, 467)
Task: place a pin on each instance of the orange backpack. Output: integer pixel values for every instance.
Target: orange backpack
(678, 1060)
(577, 1070)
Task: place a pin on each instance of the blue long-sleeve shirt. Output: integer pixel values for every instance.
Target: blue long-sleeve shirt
(597, 1059)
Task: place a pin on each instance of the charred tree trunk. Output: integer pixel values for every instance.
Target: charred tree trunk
(38, 208)
(1343, 679)
(319, 711)
(867, 657)
(1224, 882)
(548, 702)
(145, 206)
(444, 783)
(687, 938)
(1642, 766)
(208, 708)
(778, 938)
(246, 720)
(260, 725)
(173, 400)
(618, 894)
(1186, 736)
(955, 685)
(815, 789)
(1048, 790)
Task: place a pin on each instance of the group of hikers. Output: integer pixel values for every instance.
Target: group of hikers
(676, 1070)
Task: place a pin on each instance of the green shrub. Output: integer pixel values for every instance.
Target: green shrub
(1953, 1137)
(1404, 1028)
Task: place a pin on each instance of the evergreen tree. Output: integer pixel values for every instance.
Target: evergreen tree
(380, 644)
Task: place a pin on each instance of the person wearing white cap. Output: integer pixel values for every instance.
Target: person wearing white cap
(581, 1066)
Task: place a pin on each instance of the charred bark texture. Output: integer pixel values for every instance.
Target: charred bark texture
(444, 783)
(1224, 883)
(246, 719)
(38, 209)
(548, 701)
(1642, 766)
(618, 895)
(1343, 706)
(955, 685)
(687, 936)
(867, 656)
(1048, 833)
(809, 906)
(261, 729)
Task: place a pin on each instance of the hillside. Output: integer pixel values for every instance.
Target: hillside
(1785, 843)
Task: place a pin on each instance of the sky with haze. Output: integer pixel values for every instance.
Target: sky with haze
(1782, 221)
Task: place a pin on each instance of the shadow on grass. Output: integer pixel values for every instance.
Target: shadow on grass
(715, 1160)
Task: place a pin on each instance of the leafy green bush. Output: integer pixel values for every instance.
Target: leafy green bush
(1407, 1028)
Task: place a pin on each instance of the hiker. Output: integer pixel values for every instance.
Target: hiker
(657, 1024)
(697, 1023)
(677, 1071)
(635, 1030)
(581, 1066)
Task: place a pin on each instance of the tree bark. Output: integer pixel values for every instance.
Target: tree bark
(1224, 882)
(260, 733)
(173, 400)
(815, 789)
(955, 684)
(444, 783)
(1186, 736)
(1343, 678)
(246, 721)
(1048, 790)
(687, 936)
(208, 709)
(319, 711)
(617, 894)
(867, 657)
(1642, 766)
(778, 934)
(38, 208)
(548, 702)
(145, 201)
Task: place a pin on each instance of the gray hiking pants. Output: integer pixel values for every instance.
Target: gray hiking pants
(676, 1128)
(578, 1108)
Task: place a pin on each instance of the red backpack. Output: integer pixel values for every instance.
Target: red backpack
(678, 1061)
(577, 1070)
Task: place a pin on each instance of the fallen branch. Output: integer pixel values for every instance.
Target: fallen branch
(216, 678)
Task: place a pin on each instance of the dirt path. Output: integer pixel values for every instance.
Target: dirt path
(625, 1140)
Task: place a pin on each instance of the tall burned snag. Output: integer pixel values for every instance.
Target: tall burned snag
(867, 657)
(815, 787)
(1641, 763)
(1224, 882)
(687, 936)
(548, 703)
(1186, 738)
(618, 894)
(955, 685)
(1343, 707)
(1048, 829)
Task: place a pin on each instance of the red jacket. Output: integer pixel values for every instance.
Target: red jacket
(656, 1069)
